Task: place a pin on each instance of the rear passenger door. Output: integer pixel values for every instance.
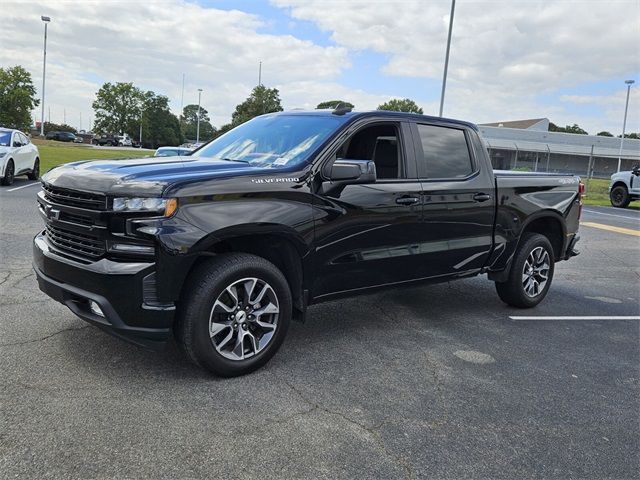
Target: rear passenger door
(458, 201)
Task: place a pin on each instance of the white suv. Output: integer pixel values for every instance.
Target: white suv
(18, 156)
(124, 140)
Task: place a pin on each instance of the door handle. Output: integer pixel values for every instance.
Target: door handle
(481, 197)
(407, 200)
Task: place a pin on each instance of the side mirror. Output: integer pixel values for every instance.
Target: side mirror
(17, 144)
(636, 170)
(353, 171)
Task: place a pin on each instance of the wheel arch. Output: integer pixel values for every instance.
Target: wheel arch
(550, 225)
(619, 183)
(279, 245)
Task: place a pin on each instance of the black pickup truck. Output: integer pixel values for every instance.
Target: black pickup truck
(224, 247)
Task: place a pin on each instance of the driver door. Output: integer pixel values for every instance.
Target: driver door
(366, 234)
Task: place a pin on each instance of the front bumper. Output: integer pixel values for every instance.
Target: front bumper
(117, 287)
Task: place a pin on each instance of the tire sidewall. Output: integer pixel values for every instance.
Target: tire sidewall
(8, 179)
(531, 243)
(200, 311)
(625, 197)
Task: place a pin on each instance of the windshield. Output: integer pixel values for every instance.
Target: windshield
(272, 141)
(5, 139)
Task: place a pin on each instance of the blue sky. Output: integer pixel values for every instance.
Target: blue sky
(366, 70)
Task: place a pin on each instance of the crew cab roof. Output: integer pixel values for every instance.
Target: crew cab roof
(353, 115)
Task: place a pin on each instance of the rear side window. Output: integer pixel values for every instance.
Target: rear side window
(446, 153)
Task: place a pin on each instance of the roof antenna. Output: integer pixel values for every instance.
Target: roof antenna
(341, 109)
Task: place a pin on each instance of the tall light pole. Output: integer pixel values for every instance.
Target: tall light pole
(198, 127)
(624, 123)
(446, 58)
(46, 21)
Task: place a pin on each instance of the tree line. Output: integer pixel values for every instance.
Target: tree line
(124, 108)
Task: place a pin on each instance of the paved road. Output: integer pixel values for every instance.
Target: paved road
(430, 382)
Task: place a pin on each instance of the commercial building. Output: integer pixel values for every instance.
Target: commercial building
(529, 145)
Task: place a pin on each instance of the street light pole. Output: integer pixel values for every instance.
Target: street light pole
(624, 123)
(198, 127)
(446, 58)
(46, 21)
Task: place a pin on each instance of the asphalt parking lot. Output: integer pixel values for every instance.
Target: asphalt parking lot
(430, 382)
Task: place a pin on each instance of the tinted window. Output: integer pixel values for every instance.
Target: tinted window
(446, 154)
(5, 139)
(378, 143)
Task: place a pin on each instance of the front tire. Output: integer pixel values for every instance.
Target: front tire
(9, 174)
(34, 174)
(531, 272)
(234, 314)
(619, 197)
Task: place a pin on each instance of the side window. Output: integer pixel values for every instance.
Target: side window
(23, 139)
(446, 153)
(379, 143)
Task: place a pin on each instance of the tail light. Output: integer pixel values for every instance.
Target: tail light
(581, 194)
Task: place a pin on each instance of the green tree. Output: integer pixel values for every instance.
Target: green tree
(118, 108)
(190, 123)
(55, 127)
(604, 134)
(575, 128)
(333, 104)
(17, 98)
(404, 105)
(160, 127)
(633, 135)
(262, 100)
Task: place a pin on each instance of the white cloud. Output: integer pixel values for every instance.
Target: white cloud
(151, 44)
(503, 54)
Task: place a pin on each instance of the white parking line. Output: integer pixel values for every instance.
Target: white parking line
(592, 317)
(610, 214)
(23, 186)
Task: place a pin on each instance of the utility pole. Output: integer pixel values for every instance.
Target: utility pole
(260, 73)
(198, 127)
(624, 123)
(446, 58)
(182, 99)
(46, 21)
(80, 121)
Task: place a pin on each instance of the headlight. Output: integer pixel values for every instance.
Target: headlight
(164, 206)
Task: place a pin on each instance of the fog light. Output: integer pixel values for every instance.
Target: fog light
(95, 309)
(132, 248)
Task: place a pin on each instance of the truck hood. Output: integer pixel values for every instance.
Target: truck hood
(143, 176)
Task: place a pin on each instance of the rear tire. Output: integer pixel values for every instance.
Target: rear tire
(619, 197)
(34, 174)
(9, 174)
(234, 314)
(531, 272)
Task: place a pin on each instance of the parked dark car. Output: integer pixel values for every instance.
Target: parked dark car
(61, 136)
(103, 140)
(225, 247)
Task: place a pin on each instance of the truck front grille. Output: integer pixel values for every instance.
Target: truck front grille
(74, 198)
(76, 243)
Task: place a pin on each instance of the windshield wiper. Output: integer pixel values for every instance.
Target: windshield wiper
(234, 160)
